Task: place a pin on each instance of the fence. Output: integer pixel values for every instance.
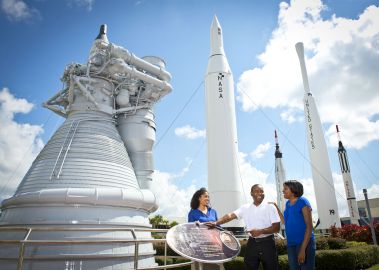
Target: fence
(22, 243)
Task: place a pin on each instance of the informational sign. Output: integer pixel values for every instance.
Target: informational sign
(201, 243)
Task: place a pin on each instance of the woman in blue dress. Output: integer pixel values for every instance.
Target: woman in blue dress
(200, 208)
(301, 245)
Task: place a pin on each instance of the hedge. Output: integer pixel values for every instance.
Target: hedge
(355, 256)
(336, 243)
(344, 259)
(174, 260)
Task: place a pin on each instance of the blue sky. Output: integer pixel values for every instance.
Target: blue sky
(39, 38)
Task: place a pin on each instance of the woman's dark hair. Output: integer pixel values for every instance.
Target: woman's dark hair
(195, 201)
(296, 187)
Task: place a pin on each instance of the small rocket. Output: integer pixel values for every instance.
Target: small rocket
(224, 183)
(280, 174)
(348, 182)
(322, 174)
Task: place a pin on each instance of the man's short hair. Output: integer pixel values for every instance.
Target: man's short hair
(255, 185)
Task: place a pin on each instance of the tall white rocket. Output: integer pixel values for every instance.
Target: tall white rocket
(348, 182)
(224, 185)
(327, 208)
(280, 174)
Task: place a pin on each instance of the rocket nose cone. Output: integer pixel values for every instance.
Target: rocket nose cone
(300, 48)
(103, 33)
(215, 22)
(217, 46)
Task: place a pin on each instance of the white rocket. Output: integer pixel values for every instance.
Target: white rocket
(280, 174)
(224, 185)
(348, 182)
(322, 174)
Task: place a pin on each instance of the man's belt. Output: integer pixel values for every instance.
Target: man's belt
(262, 239)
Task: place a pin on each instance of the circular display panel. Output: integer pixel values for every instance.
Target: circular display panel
(201, 243)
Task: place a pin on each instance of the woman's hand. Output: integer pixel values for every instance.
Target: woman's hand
(301, 256)
(210, 224)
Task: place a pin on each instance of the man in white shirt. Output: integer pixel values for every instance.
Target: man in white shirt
(262, 221)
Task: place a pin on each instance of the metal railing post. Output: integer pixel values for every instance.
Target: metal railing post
(165, 252)
(22, 249)
(135, 249)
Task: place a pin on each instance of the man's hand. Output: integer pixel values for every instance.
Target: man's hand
(256, 232)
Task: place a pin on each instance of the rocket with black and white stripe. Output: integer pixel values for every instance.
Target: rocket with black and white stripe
(280, 174)
(347, 181)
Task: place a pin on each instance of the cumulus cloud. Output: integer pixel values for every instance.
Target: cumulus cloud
(20, 142)
(251, 176)
(292, 115)
(189, 132)
(260, 150)
(18, 10)
(174, 201)
(342, 58)
(87, 4)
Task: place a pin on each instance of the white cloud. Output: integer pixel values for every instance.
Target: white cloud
(372, 192)
(342, 58)
(20, 143)
(251, 176)
(87, 4)
(174, 202)
(18, 10)
(189, 132)
(260, 150)
(292, 115)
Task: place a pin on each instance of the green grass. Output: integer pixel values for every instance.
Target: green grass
(374, 267)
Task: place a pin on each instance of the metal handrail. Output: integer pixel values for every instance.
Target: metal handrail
(29, 230)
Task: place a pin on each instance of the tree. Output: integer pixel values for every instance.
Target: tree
(156, 220)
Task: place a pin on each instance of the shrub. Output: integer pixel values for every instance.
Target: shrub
(334, 232)
(366, 256)
(283, 262)
(351, 258)
(335, 259)
(174, 260)
(344, 259)
(159, 248)
(355, 244)
(237, 263)
(321, 243)
(281, 246)
(352, 232)
(336, 243)
(243, 244)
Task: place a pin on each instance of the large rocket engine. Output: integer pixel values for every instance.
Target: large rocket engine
(96, 169)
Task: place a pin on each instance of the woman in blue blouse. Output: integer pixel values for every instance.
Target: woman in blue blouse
(301, 245)
(200, 209)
